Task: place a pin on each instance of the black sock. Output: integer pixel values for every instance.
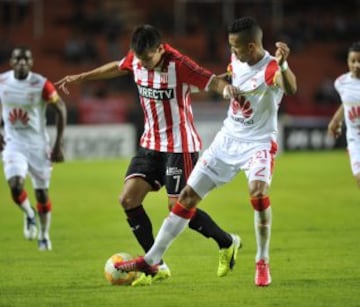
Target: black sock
(141, 226)
(203, 223)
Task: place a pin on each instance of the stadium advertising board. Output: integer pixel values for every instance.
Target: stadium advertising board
(98, 141)
(307, 133)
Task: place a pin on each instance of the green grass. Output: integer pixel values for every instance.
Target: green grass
(314, 248)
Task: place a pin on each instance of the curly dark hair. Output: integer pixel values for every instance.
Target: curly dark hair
(242, 24)
(247, 26)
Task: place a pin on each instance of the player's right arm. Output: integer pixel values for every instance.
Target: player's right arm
(335, 124)
(106, 71)
(198, 76)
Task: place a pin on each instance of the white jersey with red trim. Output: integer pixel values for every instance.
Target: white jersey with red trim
(23, 108)
(348, 88)
(254, 115)
(165, 99)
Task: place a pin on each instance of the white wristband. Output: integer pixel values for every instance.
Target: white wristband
(284, 66)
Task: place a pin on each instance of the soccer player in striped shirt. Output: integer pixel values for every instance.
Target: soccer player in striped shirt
(348, 87)
(246, 142)
(170, 144)
(24, 97)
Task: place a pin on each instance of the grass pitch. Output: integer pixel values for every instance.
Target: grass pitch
(314, 248)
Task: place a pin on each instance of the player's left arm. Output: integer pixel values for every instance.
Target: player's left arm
(285, 78)
(55, 102)
(335, 124)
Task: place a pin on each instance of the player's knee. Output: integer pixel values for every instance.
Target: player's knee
(127, 202)
(18, 194)
(188, 198)
(41, 196)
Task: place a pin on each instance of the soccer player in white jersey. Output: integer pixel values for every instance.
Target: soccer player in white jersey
(348, 87)
(246, 142)
(24, 97)
(170, 144)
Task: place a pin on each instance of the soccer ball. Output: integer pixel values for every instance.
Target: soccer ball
(117, 277)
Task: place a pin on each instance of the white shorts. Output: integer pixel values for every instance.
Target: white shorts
(20, 160)
(354, 154)
(226, 157)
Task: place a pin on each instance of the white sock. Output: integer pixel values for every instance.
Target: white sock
(45, 221)
(171, 228)
(26, 207)
(262, 225)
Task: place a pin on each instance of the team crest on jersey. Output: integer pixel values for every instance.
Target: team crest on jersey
(18, 115)
(253, 82)
(164, 77)
(243, 106)
(34, 83)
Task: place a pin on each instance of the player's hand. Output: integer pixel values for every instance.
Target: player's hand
(282, 52)
(62, 83)
(57, 154)
(2, 142)
(230, 91)
(335, 128)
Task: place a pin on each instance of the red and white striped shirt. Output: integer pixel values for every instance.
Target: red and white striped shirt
(165, 99)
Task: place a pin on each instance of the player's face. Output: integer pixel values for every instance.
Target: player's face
(240, 50)
(151, 58)
(354, 63)
(21, 61)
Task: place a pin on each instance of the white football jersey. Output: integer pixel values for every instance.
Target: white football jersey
(23, 108)
(348, 88)
(254, 115)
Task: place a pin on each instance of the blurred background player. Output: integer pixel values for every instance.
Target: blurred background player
(24, 97)
(348, 87)
(170, 144)
(246, 142)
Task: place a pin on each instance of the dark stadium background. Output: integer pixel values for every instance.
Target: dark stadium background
(70, 36)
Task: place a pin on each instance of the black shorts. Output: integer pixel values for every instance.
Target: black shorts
(162, 168)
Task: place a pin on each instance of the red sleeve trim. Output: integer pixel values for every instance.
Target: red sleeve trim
(127, 62)
(270, 72)
(49, 92)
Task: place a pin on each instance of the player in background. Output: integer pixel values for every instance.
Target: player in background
(170, 144)
(246, 142)
(348, 87)
(24, 97)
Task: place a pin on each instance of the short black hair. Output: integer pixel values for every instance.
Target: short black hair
(242, 24)
(247, 26)
(355, 47)
(145, 37)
